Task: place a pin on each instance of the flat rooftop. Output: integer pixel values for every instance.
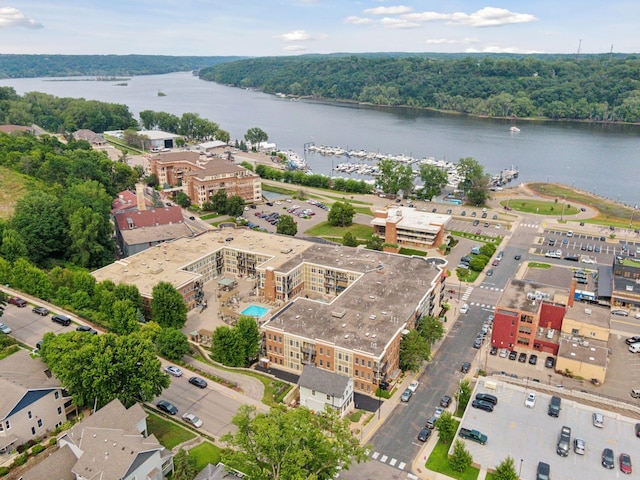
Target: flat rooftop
(413, 219)
(596, 315)
(592, 351)
(526, 295)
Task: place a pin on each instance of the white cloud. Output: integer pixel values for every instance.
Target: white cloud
(449, 41)
(398, 10)
(485, 17)
(498, 49)
(12, 17)
(491, 17)
(358, 21)
(295, 36)
(397, 23)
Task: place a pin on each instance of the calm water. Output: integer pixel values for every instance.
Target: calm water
(599, 159)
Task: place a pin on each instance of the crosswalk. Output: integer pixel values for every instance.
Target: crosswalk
(389, 461)
(467, 293)
(529, 225)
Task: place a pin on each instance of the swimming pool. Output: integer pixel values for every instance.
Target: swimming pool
(255, 311)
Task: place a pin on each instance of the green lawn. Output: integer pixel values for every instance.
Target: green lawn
(280, 190)
(209, 216)
(542, 207)
(13, 186)
(168, 433)
(539, 265)
(325, 230)
(439, 462)
(411, 251)
(205, 453)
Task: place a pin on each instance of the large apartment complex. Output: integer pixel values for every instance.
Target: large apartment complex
(201, 177)
(410, 227)
(341, 309)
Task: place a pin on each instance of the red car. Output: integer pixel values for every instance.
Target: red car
(18, 302)
(625, 463)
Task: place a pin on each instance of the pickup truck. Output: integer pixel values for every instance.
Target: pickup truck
(474, 435)
(564, 442)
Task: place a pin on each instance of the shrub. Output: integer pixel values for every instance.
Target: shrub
(37, 449)
(21, 460)
(4, 471)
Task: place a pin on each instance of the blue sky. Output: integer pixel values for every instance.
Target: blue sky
(291, 27)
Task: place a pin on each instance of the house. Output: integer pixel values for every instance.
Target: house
(111, 444)
(321, 388)
(93, 138)
(32, 401)
(15, 129)
(218, 472)
(409, 227)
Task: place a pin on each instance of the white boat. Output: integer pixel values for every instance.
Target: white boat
(514, 129)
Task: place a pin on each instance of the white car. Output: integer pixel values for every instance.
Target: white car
(5, 328)
(413, 386)
(464, 309)
(598, 420)
(587, 260)
(172, 370)
(503, 353)
(530, 401)
(192, 419)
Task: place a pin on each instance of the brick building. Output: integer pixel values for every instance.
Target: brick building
(409, 227)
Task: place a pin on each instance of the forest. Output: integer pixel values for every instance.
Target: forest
(25, 66)
(598, 88)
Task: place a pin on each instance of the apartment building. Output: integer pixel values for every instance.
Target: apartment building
(410, 227)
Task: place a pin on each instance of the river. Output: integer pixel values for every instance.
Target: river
(601, 159)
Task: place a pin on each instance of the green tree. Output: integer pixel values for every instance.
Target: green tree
(349, 240)
(291, 444)
(183, 200)
(395, 176)
(171, 343)
(430, 328)
(219, 201)
(184, 466)
(460, 459)
(123, 320)
(150, 331)
(414, 349)
(255, 136)
(248, 333)
(375, 243)
(86, 250)
(226, 347)
(100, 368)
(506, 470)
(12, 246)
(286, 226)
(4, 298)
(434, 179)
(235, 205)
(167, 306)
(341, 214)
(463, 394)
(446, 427)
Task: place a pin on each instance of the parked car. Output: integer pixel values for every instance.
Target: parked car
(5, 328)
(530, 401)
(431, 423)
(630, 340)
(18, 302)
(607, 458)
(503, 353)
(487, 397)
(522, 358)
(477, 342)
(625, 463)
(445, 401)
(173, 370)
(423, 436)
(413, 386)
(464, 309)
(86, 328)
(598, 420)
(549, 362)
(438, 412)
(513, 355)
(62, 320)
(198, 382)
(406, 395)
(579, 446)
(465, 367)
(542, 472)
(482, 405)
(191, 419)
(533, 359)
(41, 311)
(489, 272)
(494, 350)
(167, 407)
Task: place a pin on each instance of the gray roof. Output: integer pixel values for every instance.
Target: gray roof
(217, 472)
(56, 466)
(323, 381)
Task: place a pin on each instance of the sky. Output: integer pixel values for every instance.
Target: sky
(293, 27)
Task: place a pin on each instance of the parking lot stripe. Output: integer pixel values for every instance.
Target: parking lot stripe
(375, 455)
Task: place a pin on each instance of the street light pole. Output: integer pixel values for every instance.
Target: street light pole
(564, 203)
(632, 212)
(520, 472)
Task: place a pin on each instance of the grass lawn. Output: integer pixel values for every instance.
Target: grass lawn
(209, 216)
(205, 453)
(280, 190)
(539, 265)
(439, 462)
(542, 207)
(323, 229)
(355, 416)
(411, 251)
(168, 433)
(344, 199)
(13, 186)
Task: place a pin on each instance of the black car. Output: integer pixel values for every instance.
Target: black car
(493, 351)
(517, 257)
(476, 222)
(482, 405)
(86, 328)
(167, 407)
(423, 436)
(543, 471)
(61, 319)
(550, 362)
(487, 397)
(513, 355)
(533, 359)
(465, 367)
(607, 458)
(445, 401)
(522, 358)
(41, 311)
(198, 382)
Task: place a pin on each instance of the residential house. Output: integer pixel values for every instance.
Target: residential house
(32, 401)
(93, 138)
(321, 388)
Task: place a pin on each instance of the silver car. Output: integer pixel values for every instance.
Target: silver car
(5, 328)
(578, 446)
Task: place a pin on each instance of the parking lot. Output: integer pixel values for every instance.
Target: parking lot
(529, 435)
(29, 327)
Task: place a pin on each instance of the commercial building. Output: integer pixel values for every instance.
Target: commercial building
(626, 283)
(342, 309)
(405, 226)
(202, 177)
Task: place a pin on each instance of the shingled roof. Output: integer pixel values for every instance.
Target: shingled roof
(323, 381)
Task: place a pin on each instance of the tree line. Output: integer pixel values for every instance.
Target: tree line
(601, 88)
(297, 177)
(25, 66)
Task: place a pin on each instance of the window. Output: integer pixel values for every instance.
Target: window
(30, 414)
(33, 430)
(313, 392)
(339, 368)
(321, 363)
(59, 410)
(321, 351)
(575, 331)
(328, 397)
(328, 364)
(39, 422)
(56, 395)
(357, 360)
(346, 369)
(356, 373)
